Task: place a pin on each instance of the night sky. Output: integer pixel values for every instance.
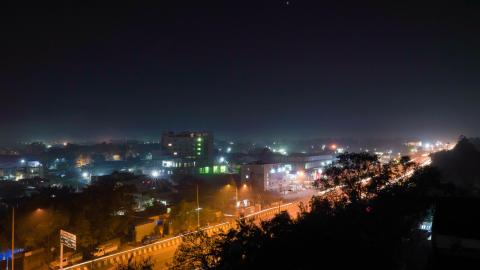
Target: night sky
(241, 69)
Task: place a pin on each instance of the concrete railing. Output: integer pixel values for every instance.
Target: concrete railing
(122, 257)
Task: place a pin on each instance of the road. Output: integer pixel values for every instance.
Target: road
(162, 251)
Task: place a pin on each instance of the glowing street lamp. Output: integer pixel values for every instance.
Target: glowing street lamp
(236, 194)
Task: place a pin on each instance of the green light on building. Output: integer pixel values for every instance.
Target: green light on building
(199, 153)
(199, 139)
(216, 169)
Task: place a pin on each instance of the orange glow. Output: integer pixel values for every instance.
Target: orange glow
(333, 146)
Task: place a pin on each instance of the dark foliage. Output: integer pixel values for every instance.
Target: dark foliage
(460, 167)
(363, 234)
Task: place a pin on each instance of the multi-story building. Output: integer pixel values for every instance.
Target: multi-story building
(193, 148)
(296, 172)
(16, 168)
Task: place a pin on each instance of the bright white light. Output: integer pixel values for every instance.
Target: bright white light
(85, 175)
(155, 173)
(175, 153)
(167, 163)
(229, 149)
(272, 170)
(170, 145)
(221, 159)
(22, 161)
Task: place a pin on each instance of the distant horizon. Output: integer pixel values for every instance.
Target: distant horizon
(153, 139)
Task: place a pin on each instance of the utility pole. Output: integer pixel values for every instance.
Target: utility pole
(236, 196)
(13, 239)
(61, 254)
(198, 210)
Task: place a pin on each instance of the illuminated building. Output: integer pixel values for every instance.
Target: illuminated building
(195, 148)
(297, 172)
(16, 168)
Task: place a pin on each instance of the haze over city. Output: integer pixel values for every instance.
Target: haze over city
(245, 69)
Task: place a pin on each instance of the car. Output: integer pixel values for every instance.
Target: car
(150, 239)
(104, 249)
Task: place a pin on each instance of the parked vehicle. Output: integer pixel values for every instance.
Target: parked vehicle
(151, 239)
(104, 249)
(68, 259)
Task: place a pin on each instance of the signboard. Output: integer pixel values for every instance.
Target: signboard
(68, 239)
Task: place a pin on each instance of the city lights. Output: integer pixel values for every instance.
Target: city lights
(283, 135)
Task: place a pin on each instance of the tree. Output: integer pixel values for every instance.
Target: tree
(197, 251)
(371, 233)
(184, 216)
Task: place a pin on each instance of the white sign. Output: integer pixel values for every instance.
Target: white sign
(68, 239)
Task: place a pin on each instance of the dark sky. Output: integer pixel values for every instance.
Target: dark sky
(241, 68)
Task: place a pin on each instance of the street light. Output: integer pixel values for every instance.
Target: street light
(198, 211)
(236, 194)
(13, 238)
